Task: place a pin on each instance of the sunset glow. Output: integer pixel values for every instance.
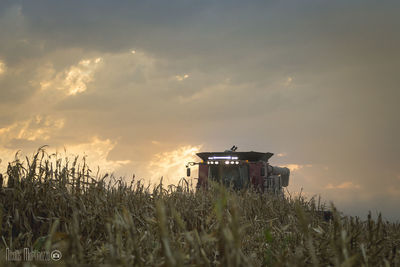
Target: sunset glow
(171, 164)
(140, 93)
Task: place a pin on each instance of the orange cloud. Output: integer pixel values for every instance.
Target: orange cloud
(171, 164)
(73, 80)
(2, 67)
(344, 185)
(296, 167)
(96, 152)
(181, 78)
(37, 128)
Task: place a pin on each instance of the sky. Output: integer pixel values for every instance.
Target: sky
(140, 86)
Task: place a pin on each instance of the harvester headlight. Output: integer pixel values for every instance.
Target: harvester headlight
(237, 162)
(232, 162)
(220, 157)
(211, 162)
(227, 157)
(216, 162)
(227, 162)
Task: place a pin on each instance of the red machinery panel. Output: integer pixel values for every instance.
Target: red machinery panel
(255, 175)
(203, 174)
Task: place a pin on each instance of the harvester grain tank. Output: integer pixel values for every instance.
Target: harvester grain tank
(240, 170)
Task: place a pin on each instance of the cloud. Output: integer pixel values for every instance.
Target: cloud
(243, 63)
(43, 129)
(75, 79)
(96, 151)
(288, 81)
(37, 128)
(394, 191)
(171, 164)
(296, 167)
(180, 78)
(6, 156)
(344, 185)
(207, 92)
(2, 67)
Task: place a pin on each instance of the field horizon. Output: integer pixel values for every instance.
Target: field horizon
(63, 206)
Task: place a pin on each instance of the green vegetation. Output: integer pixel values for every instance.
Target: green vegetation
(96, 219)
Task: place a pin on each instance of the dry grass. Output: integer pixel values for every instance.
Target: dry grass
(98, 220)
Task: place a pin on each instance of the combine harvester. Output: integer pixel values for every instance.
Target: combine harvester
(241, 170)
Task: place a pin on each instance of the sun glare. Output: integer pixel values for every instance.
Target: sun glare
(171, 165)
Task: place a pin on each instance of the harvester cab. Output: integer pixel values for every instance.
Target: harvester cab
(240, 170)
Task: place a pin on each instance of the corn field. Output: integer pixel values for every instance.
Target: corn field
(95, 219)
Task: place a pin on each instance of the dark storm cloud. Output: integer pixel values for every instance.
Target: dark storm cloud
(183, 27)
(316, 80)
